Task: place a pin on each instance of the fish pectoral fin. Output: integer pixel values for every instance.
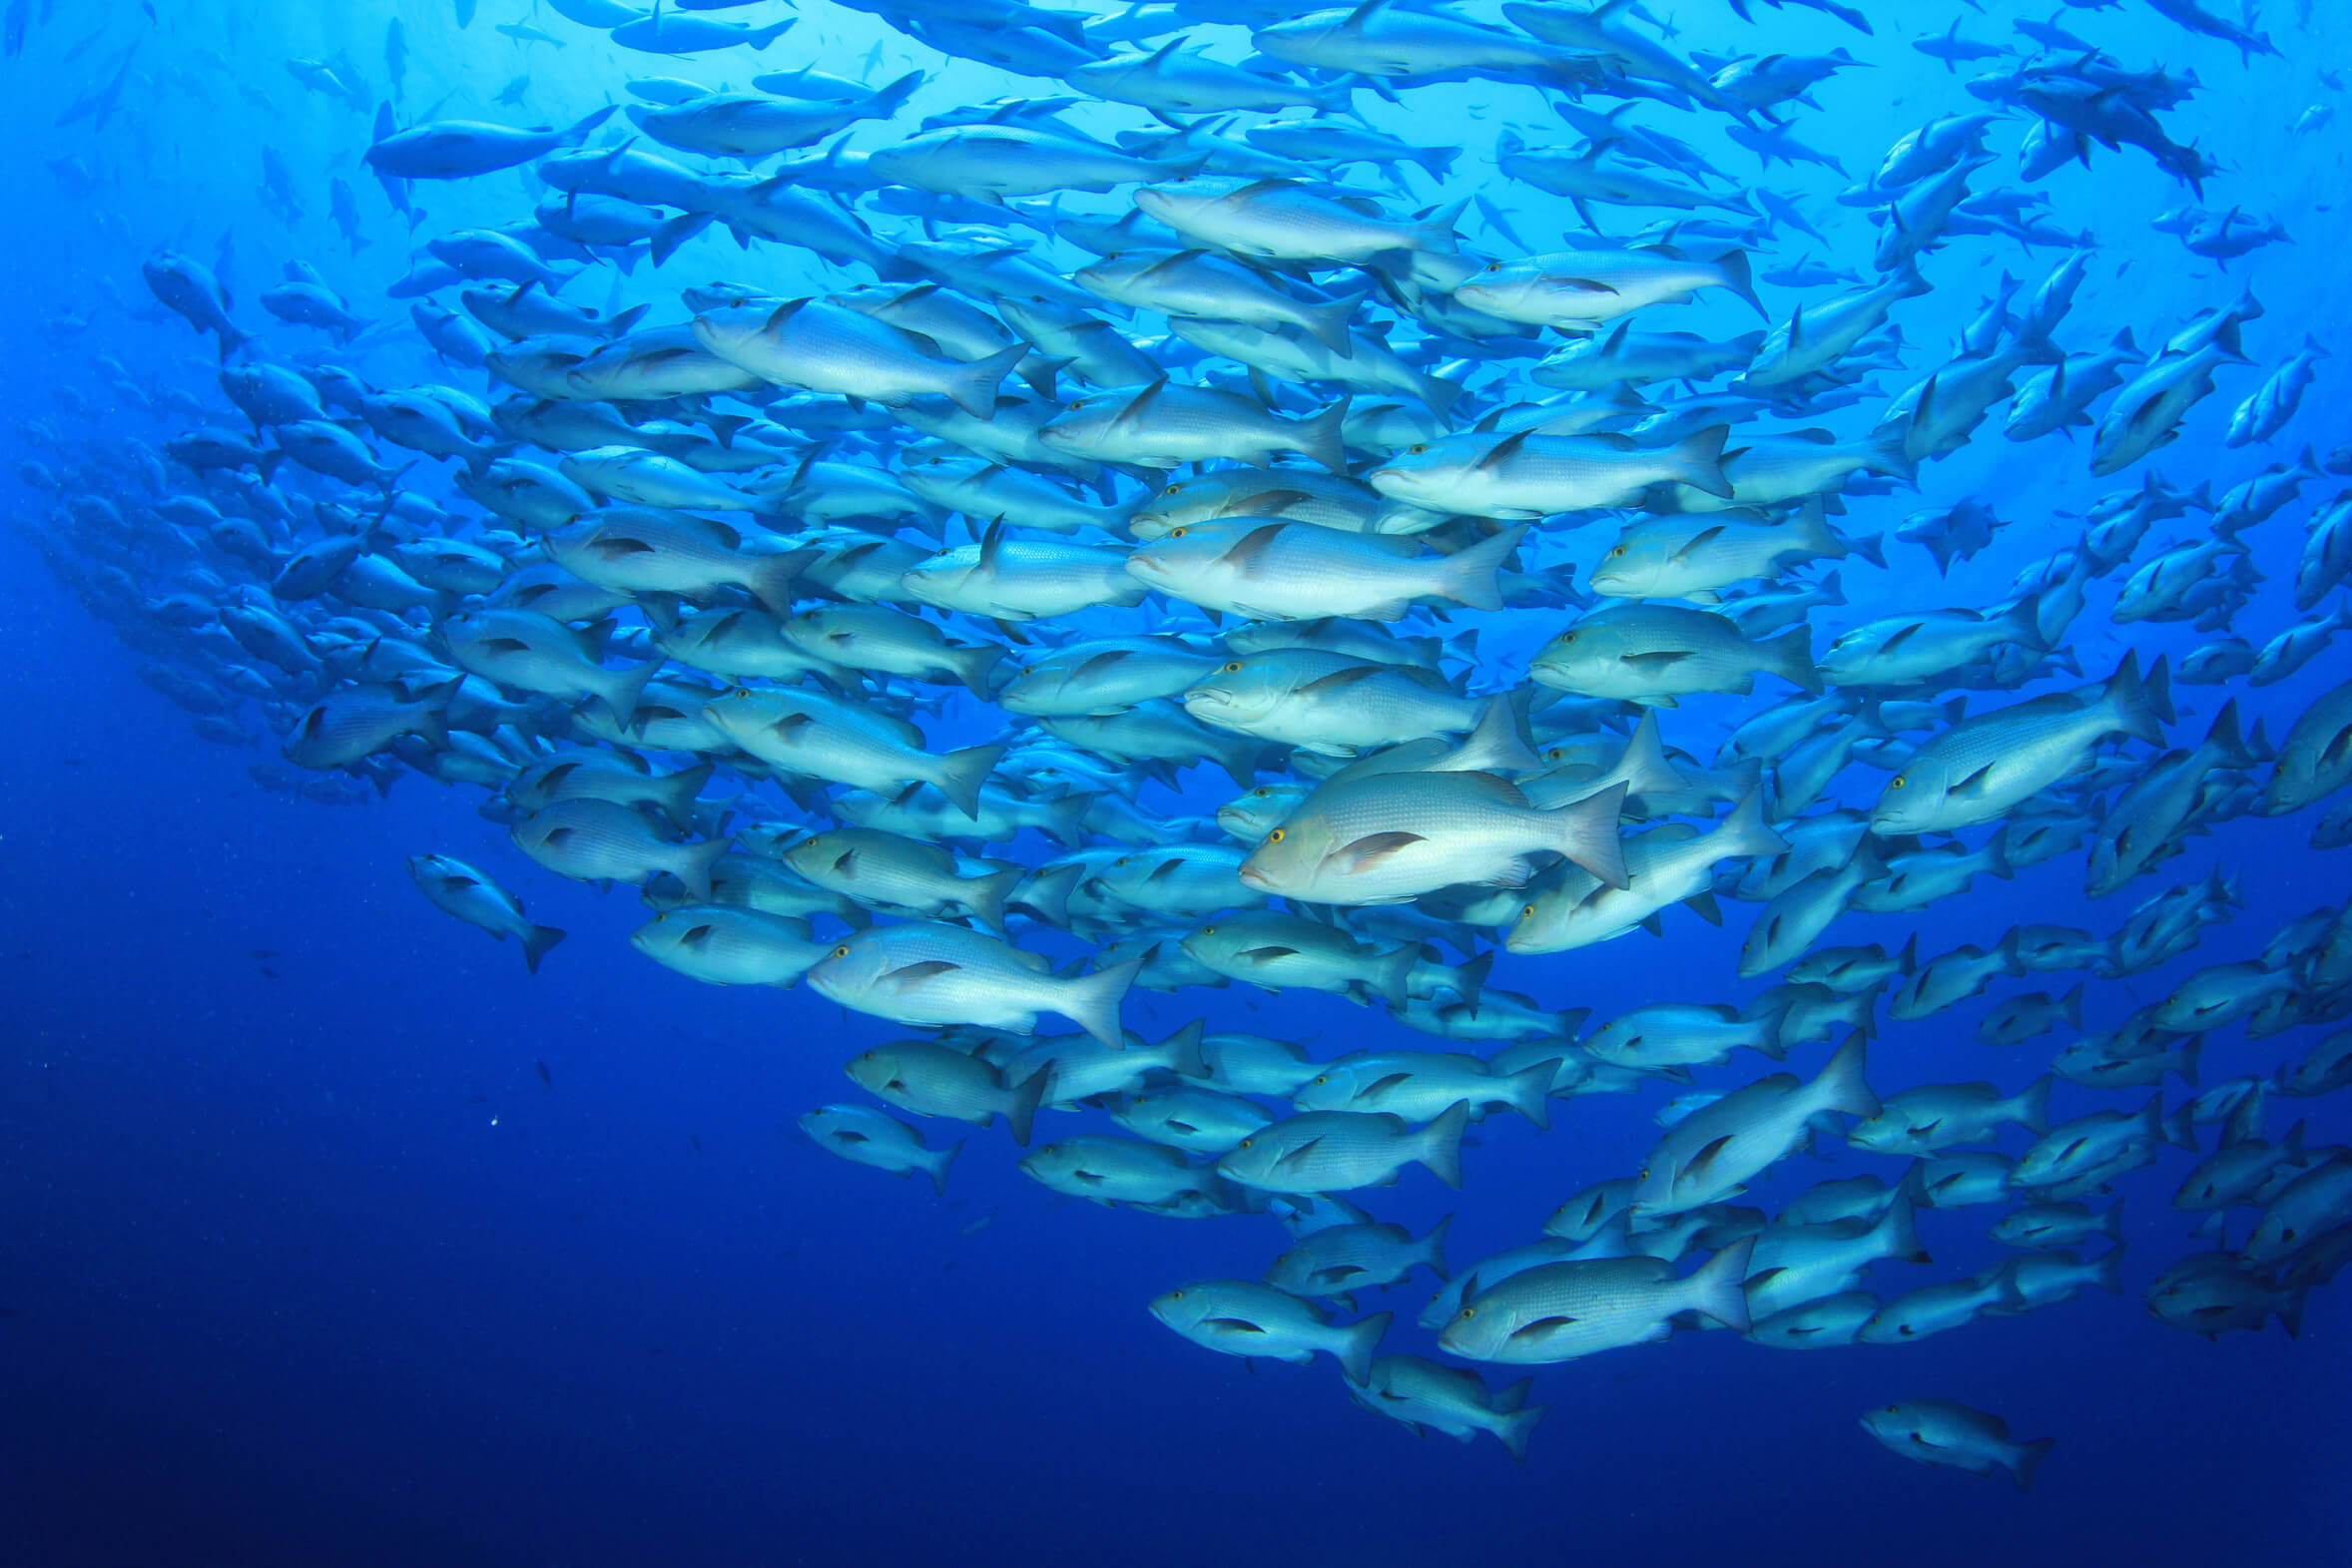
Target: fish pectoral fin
(1656, 663)
(1338, 1273)
(1233, 1325)
(1266, 955)
(1373, 849)
(1698, 1162)
(1543, 1326)
(915, 974)
(1383, 1085)
(1298, 1156)
(1974, 783)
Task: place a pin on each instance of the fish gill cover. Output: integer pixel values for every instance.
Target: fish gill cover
(1504, 708)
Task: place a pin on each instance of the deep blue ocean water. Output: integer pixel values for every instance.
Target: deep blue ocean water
(328, 1237)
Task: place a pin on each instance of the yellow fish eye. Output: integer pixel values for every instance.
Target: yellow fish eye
(1494, 266)
(1233, 667)
(1526, 911)
(840, 953)
(1171, 489)
(1618, 551)
(1245, 1141)
(1418, 447)
(1645, 1173)
(1897, 782)
(1467, 1313)
(1176, 533)
(1275, 836)
(1208, 930)
(1175, 1296)
(1323, 1078)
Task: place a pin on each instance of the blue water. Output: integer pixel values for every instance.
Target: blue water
(328, 1237)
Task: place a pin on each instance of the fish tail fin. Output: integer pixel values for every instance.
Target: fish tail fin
(963, 773)
(1719, 1289)
(1699, 462)
(2108, 1273)
(1746, 831)
(984, 895)
(1356, 1341)
(695, 870)
(1440, 1143)
(937, 1166)
(1436, 231)
(2071, 1007)
(1391, 973)
(1326, 322)
(1644, 764)
(1740, 278)
(1321, 436)
(1996, 855)
(1182, 1050)
(973, 387)
(2031, 1108)
(672, 233)
(1792, 659)
(1473, 577)
(1020, 1106)
(771, 577)
(1585, 831)
(1528, 1092)
(1432, 1248)
(1092, 1001)
(538, 941)
(1067, 820)
(628, 688)
(2126, 693)
(2029, 1460)
(892, 96)
(1841, 1086)
(975, 665)
(2224, 742)
(577, 132)
(1496, 744)
(1513, 1428)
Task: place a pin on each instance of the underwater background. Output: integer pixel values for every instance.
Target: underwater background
(327, 1236)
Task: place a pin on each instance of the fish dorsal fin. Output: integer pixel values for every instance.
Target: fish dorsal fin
(1362, 14)
(1171, 261)
(993, 545)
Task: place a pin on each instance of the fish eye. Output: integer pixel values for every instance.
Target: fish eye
(1261, 791)
(1898, 781)
(1645, 1173)
(1275, 836)
(1176, 533)
(1175, 1296)
(840, 953)
(1208, 930)
(1566, 637)
(1526, 911)
(1245, 1141)
(1467, 1313)
(1418, 447)
(1494, 266)
(1618, 551)
(1233, 667)
(1077, 403)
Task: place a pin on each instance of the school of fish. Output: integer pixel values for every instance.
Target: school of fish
(1165, 527)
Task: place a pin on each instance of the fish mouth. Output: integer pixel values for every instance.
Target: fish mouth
(1250, 876)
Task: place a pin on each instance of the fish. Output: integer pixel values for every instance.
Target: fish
(457, 889)
(1953, 1436)
(1240, 1318)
